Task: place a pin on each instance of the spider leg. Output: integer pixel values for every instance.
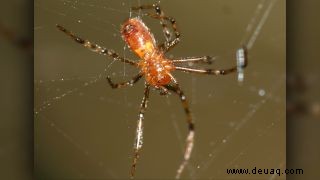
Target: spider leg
(135, 79)
(139, 131)
(163, 91)
(169, 43)
(142, 7)
(159, 13)
(208, 71)
(202, 59)
(190, 138)
(95, 47)
(213, 71)
(240, 65)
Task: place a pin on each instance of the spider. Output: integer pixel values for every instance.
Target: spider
(156, 68)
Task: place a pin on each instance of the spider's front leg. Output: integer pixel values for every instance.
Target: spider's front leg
(139, 131)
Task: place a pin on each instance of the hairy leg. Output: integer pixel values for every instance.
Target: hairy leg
(190, 138)
(169, 43)
(95, 47)
(139, 131)
(126, 83)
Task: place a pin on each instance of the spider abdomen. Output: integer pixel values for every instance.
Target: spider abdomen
(138, 37)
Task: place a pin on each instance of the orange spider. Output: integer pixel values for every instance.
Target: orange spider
(156, 68)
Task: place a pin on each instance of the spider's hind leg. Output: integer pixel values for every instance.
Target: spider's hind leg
(139, 131)
(190, 138)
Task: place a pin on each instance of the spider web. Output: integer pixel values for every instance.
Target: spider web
(85, 129)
